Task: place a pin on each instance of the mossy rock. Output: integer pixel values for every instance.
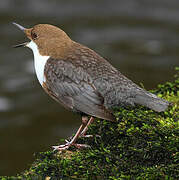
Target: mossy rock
(141, 144)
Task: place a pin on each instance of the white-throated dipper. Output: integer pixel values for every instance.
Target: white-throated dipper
(80, 79)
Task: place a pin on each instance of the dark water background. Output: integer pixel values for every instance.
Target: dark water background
(139, 37)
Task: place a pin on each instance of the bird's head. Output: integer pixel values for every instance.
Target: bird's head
(49, 40)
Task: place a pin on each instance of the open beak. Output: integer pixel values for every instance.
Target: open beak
(22, 29)
(20, 45)
(19, 26)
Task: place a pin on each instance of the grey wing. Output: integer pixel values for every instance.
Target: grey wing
(74, 89)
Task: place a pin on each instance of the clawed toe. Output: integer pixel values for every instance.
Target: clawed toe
(90, 136)
(69, 144)
(60, 147)
(80, 146)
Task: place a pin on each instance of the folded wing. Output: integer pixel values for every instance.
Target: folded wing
(74, 89)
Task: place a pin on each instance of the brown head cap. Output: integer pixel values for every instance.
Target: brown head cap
(51, 40)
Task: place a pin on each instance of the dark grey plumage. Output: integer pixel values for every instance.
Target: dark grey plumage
(86, 82)
(81, 80)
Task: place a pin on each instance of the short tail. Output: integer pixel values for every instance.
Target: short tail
(151, 101)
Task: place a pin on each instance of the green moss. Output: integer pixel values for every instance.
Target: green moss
(142, 144)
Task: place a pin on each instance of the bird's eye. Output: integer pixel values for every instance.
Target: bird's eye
(34, 36)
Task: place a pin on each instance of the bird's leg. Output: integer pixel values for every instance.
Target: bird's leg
(72, 142)
(83, 133)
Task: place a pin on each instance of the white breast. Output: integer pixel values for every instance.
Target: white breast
(39, 62)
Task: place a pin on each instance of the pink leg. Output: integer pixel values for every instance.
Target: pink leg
(72, 142)
(83, 133)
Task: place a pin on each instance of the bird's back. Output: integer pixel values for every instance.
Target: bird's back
(115, 88)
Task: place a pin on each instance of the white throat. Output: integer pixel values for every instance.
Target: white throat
(39, 62)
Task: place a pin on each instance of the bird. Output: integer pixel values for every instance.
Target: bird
(81, 80)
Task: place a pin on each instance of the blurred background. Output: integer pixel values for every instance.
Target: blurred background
(139, 37)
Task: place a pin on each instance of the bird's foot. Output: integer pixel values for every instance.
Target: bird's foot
(89, 136)
(69, 144)
(61, 147)
(79, 146)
